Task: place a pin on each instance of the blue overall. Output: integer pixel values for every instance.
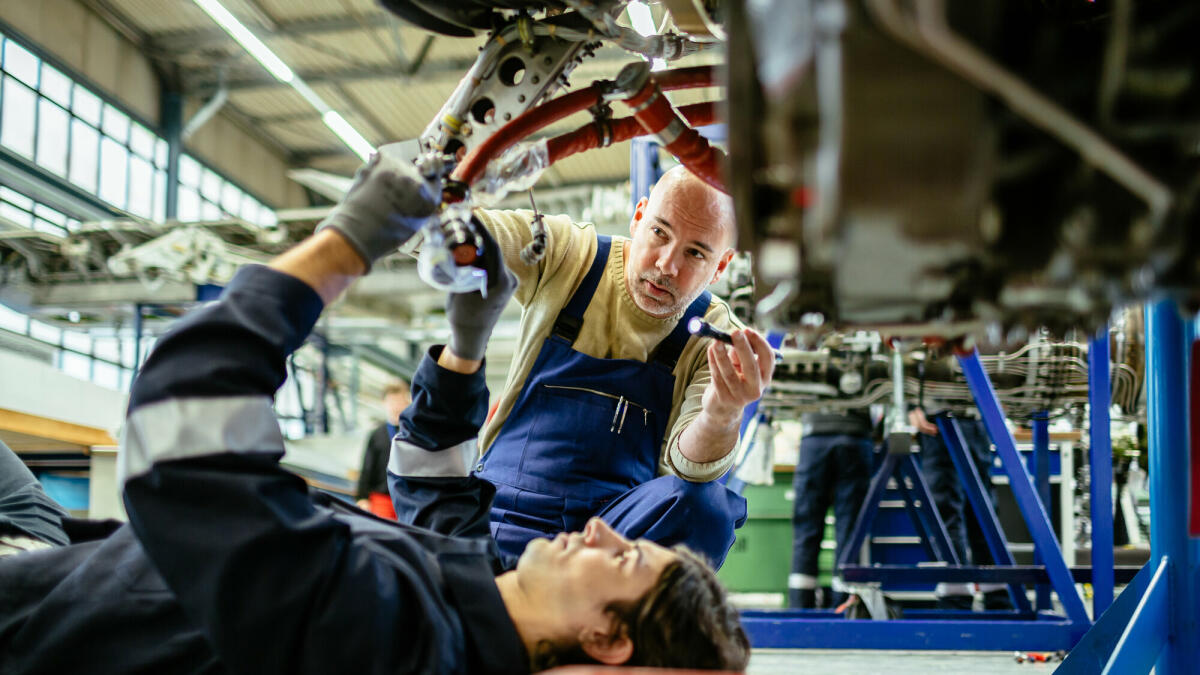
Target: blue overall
(584, 438)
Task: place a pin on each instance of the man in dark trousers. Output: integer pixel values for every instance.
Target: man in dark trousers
(372, 492)
(832, 469)
(230, 564)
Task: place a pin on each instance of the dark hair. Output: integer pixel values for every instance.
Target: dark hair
(684, 621)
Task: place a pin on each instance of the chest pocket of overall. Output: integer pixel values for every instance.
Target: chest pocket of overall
(597, 440)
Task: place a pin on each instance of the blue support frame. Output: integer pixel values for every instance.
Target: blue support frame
(1162, 631)
(1100, 455)
(1027, 630)
(920, 507)
(1041, 480)
(1026, 496)
(1144, 638)
(1168, 342)
(984, 510)
(780, 630)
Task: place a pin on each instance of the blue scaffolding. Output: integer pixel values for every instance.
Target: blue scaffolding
(1153, 623)
(1024, 628)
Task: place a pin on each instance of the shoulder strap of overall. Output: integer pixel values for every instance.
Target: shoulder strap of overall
(570, 318)
(667, 352)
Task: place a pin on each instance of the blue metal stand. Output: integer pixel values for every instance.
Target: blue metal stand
(1100, 455)
(1021, 629)
(1041, 479)
(1162, 631)
(984, 510)
(918, 502)
(1027, 499)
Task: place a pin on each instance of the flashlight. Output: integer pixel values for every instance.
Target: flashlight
(698, 326)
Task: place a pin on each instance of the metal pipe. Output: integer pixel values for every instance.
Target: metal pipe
(210, 108)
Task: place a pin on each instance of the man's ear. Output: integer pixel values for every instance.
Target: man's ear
(721, 265)
(611, 650)
(638, 212)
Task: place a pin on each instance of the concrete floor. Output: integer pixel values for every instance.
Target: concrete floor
(873, 662)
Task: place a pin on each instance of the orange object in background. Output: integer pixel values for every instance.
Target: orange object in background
(381, 505)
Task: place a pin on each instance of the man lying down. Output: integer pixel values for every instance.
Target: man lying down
(230, 564)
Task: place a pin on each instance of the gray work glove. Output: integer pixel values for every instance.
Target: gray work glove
(471, 315)
(387, 204)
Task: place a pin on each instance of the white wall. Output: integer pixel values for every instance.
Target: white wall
(34, 388)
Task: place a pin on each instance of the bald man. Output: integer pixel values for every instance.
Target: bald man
(609, 409)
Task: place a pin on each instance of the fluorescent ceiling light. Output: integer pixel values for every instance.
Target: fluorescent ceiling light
(349, 135)
(238, 31)
(280, 70)
(640, 18)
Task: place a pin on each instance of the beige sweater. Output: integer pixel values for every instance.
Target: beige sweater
(614, 327)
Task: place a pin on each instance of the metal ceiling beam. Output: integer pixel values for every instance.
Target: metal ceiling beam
(119, 21)
(203, 79)
(183, 42)
(254, 77)
(97, 293)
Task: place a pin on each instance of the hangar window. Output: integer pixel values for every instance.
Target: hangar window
(19, 118)
(114, 168)
(54, 126)
(21, 63)
(85, 154)
(56, 86)
(64, 127)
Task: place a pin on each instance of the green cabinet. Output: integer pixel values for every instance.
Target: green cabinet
(761, 557)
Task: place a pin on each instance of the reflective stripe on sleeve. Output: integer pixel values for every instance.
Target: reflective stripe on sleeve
(802, 582)
(179, 428)
(411, 460)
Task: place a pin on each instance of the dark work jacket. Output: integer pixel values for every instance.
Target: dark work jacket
(228, 563)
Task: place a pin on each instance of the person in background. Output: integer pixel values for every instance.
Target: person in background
(833, 468)
(372, 493)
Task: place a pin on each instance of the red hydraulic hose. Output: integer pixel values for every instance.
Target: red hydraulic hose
(591, 136)
(656, 115)
(527, 123)
(686, 78)
(473, 165)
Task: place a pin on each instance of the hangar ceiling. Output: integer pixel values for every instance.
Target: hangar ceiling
(388, 79)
